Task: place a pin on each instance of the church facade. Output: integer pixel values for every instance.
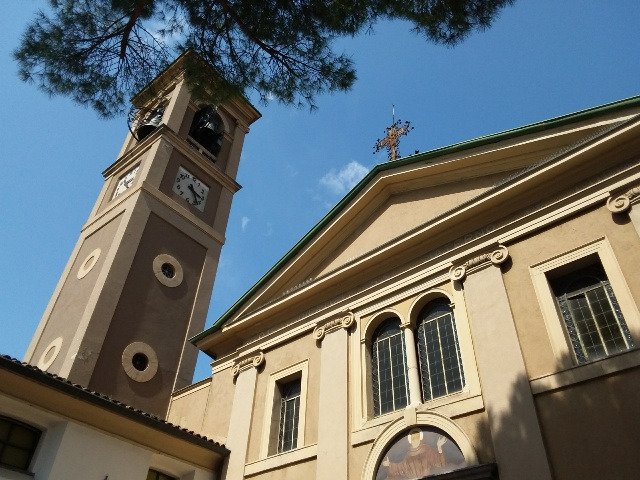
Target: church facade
(465, 313)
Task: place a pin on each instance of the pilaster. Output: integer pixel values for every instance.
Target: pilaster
(332, 338)
(515, 431)
(245, 372)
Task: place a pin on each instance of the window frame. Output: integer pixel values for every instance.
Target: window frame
(406, 303)
(288, 401)
(434, 317)
(553, 318)
(376, 368)
(158, 472)
(271, 425)
(32, 453)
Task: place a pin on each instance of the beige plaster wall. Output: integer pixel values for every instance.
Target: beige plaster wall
(188, 408)
(206, 408)
(73, 297)
(539, 247)
(296, 351)
(299, 471)
(476, 428)
(403, 212)
(357, 458)
(219, 403)
(151, 312)
(592, 430)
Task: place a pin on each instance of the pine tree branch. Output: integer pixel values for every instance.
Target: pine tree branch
(126, 31)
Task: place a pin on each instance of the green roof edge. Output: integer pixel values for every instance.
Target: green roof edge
(418, 157)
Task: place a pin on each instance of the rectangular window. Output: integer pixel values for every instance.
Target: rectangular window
(586, 304)
(18, 443)
(592, 317)
(289, 415)
(285, 409)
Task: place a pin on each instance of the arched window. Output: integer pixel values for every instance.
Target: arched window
(389, 368)
(592, 316)
(207, 129)
(441, 369)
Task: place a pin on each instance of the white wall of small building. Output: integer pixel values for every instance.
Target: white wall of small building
(70, 450)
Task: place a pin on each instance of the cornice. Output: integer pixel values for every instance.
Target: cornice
(456, 247)
(432, 267)
(622, 203)
(344, 320)
(162, 132)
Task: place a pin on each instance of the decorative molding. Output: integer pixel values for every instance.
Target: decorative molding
(50, 353)
(88, 263)
(460, 242)
(245, 363)
(172, 280)
(622, 203)
(427, 419)
(495, 257)
(150, 369)
(345, 320)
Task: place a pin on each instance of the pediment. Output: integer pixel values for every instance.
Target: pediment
(401, 213)
(399, 201)
(393, 208)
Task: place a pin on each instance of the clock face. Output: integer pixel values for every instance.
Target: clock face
(125, 181)
(189, 188)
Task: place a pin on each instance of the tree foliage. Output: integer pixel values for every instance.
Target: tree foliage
(100, 52)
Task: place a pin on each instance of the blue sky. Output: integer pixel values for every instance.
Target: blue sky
(539, 60)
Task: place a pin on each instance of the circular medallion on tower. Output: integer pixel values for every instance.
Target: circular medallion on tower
(140, 361)
(88, 263)
(49, 354)
(167, 270)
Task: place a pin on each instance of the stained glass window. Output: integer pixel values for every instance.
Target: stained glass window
(592, 317)
(439, 351)
(389, 368)
(289, 415)
(18, 442)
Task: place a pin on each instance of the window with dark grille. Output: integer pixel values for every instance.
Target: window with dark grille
(439, 351)
(289, 415)
(389, 368)
(18, 442)
(156, 475)
(592, 317)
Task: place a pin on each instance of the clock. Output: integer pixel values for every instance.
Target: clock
(125, 181)
(190, 189)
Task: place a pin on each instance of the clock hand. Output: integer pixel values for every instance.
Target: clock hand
(190, 187)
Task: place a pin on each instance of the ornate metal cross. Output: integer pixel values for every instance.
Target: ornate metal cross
(391, 140)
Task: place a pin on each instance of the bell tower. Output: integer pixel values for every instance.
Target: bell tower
(139, 280)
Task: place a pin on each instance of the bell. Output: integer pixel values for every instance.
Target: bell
(150, 124)
(206, 129)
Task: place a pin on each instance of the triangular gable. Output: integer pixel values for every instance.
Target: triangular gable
(400, 196)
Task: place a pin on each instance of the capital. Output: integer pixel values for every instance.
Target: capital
(622, 203)
(345, 320)
(496, 257)
(251, 361)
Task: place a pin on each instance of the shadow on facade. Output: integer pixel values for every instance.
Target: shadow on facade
(590, 428)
